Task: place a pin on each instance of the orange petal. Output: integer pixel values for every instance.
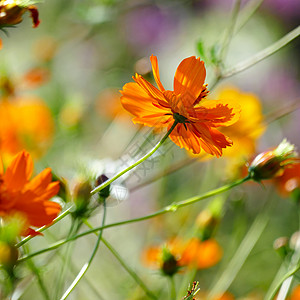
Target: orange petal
(212, 141)
(185, 138)
(1, 166)
(34, 15)
(151, 257)
(42, 213)
(155, 71)
(209, 254)
(218, 113)
(40, 182)
(189, 78)
(147, 109)
(190, 252)
(19, 171)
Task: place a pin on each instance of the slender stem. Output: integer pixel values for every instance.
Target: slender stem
(173, 293)
(288, 281)
(41, 229)
(230, 29)
(137, 279)
(36, 272)
(67, 254)
(75, 272)
(89, 262)
(278, 277)
(108, 182)
(240, 256)
(285, 277)
(170, 208)
(246, 13)
(263, 54)
(183, 163)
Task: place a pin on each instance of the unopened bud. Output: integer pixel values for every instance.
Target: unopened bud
(281, 246)
(295, 241)
(206, 223)
(106, 191)
(81, 196)
(8, 255)
(268, 164)
(169, 263)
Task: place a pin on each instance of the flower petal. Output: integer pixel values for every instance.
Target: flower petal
(1, 166)
(19, 171)
(139, 101)
(189, 78)
(155, 71)
(41, 213)
(212, 141)
(217, 112)
(197, 136)
(40, 182)
(185, 138)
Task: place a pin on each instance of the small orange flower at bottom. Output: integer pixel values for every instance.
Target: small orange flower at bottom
(176, 254)
(203, 296)
(29, 198)
(197, 119)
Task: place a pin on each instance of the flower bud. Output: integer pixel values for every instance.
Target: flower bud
(295, 240)
(8, 254)
(81, 196)
(106, 191)
(268, 164)
(207, 222)
(281, 246)
(169, 263)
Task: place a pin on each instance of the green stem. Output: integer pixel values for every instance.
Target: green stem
(240, 256)
(75, 272)
(247, 12)
(108, 182)
(294, 262)
(89, 262)
(136, 278)
(263, 54)
(36, 272)
(41, 229)
(173, 293)
(170, 208)
(285, 277)
(230, 29)
(67, 254)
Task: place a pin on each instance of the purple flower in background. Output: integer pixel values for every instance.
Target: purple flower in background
(146, 25)
(284, 8)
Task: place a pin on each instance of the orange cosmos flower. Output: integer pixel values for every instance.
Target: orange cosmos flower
(29, 198)
(175, 254)
(197, 118)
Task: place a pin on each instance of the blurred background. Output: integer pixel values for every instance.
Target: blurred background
(62, 80)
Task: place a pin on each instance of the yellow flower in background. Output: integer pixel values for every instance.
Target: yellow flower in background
(245, 132)
(25, 123)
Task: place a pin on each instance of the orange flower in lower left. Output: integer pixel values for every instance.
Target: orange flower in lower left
(28, 198)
